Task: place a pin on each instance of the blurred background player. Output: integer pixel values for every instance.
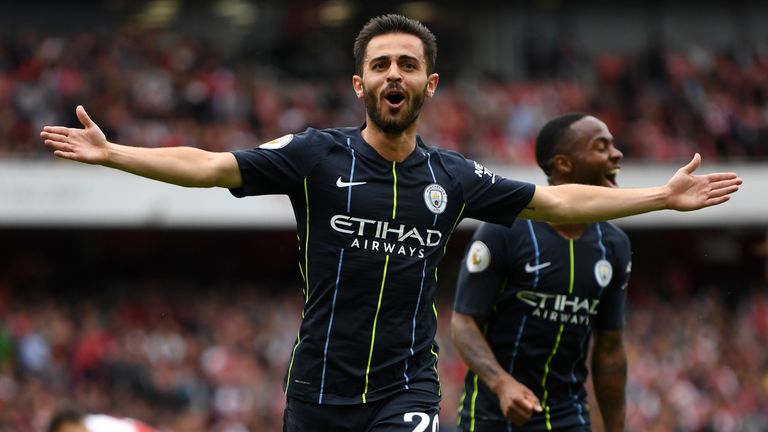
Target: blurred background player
(70, 420)
(529, 295)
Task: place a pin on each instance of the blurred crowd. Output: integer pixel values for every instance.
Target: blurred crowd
(699, 364)
(188, 359)
(159, 88)
(210, 356)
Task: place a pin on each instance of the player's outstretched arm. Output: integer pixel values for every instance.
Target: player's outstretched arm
(517, 402)
(184, 166)
(576, 203)
(609, 377)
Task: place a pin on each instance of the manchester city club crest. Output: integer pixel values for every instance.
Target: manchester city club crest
(436, 198)
(603, 272)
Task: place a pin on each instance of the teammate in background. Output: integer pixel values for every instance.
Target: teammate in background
(375, 207)
(69, 420)
(529, 295)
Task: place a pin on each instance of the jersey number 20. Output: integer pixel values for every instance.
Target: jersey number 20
(423, 420)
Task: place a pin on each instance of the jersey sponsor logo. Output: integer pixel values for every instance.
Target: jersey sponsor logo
(560, 308)
(342, 184)
(277, 143)
(532, 268)
(603, 272)
(436, 198)
(478, 258)
(383, 236)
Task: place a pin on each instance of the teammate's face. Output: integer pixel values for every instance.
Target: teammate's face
(394, 81)
(594, 158)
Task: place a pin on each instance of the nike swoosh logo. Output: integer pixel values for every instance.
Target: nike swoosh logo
(342, 184)
(530, 269)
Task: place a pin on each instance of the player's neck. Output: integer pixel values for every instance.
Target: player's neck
(392, 147)
(569, 231)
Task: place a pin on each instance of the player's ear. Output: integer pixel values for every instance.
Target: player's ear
(432, 81)
(562, 164)
(357, 85)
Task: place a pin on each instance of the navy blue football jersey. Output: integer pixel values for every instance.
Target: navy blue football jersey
(372, 233)
(540, 295)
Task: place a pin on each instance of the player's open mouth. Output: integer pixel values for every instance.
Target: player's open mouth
(394, 98)
(611, 176)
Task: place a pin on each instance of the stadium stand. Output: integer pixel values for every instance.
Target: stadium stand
(155, 322)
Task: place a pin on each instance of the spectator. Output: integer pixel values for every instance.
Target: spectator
(155, 88)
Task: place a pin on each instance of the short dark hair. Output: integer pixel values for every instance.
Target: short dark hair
(386, 24)
(63, 417)
(550, 139)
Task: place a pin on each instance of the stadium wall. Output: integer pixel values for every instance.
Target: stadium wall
(35, 194)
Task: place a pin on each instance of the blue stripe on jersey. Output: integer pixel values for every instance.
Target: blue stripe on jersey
(421, 285)
(583, 345)
(434, 180)
(579, 406)
(338, 272)
(330, 324)
(517, 344)
(520, 330)
(536, 252)
(519, 336)
(413, 328)
(351, 176)
(600, 239)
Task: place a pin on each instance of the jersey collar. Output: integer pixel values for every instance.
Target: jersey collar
(362, 146)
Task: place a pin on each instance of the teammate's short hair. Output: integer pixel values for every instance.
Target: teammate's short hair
(550, 139)
(386, 24)
(64, 417)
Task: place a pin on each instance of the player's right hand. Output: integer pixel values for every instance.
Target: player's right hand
(517, 402)
(87, 145)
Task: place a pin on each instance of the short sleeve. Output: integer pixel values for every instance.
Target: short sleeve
(483, 271)
(489, 197)
(278, 166)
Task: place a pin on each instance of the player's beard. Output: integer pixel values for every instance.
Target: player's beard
(400, 121)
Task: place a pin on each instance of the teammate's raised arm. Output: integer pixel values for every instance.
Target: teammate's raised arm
(184, 166)
(578, 203)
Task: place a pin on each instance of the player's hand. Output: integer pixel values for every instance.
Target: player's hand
(691, 192)
(517, 402)
(87, 145)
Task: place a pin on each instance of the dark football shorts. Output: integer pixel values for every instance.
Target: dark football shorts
(406, 411)
(502, 426)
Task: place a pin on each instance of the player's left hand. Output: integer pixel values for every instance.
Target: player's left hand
(687, 191)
